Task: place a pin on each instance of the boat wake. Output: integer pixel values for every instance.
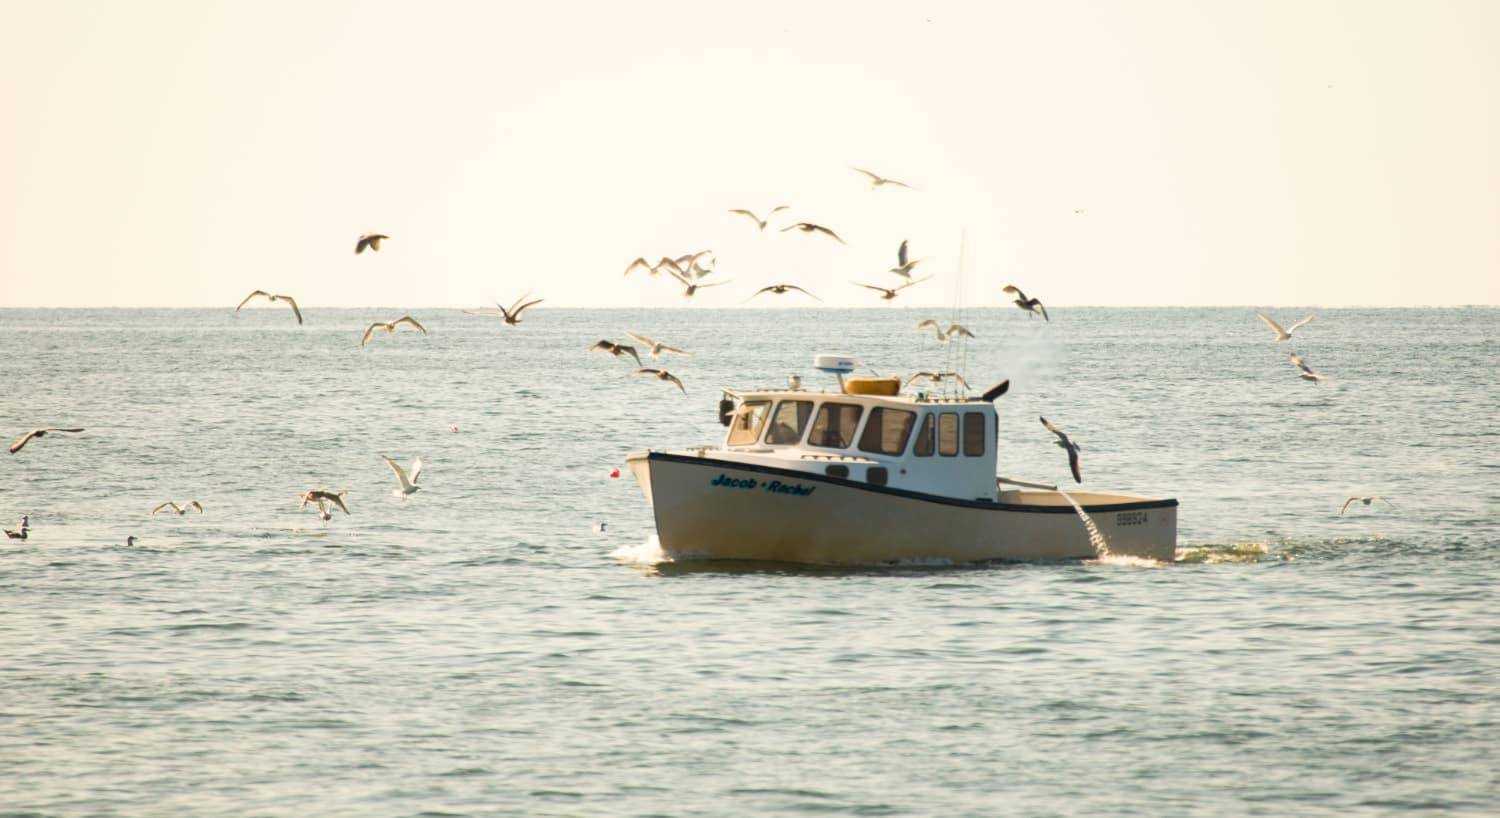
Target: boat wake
(647, 553)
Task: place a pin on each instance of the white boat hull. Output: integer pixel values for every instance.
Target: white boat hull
(718, 509)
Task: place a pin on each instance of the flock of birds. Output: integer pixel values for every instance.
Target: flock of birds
(689, 270)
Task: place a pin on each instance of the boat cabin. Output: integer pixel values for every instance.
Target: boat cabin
(869, 432)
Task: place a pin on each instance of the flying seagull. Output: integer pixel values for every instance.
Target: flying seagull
(1284, 334)
(1307, 374)
(903, 265)
(26, 438)
(759, 222)
(408, 485)
(809, 227)
(656, 348)
(944, 334)
(273, 299)
(1365, 500)
(888, 293)
(876, 180)
(937, 377)
(511, 316)
(663, 263)
(323, 499)
(20, 533)
(780, 289)
(390, 328)
(692, 286)
(1064, 442)
(181, 510)
(663, 375)
(1030, 305)
(617, 350)
(369, 241)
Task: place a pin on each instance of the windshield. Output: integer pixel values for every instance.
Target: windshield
(745, 428)
(834, 426)
(788, 422)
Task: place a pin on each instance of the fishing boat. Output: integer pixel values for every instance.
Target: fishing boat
(877, 473)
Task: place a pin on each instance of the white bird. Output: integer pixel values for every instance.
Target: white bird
(662, 375)
(181, 510)
(1284, 334)
(936, 377)
(390, 328)
(291, 302)
(780, 289)
(38, 433)
(759, 222)
(656, 347)
(23, 531)
(1066, 443)
(903, 265)
(944, 334)
(809, 227)
(1365, 500)
(1030, 305)
(876, 180)
(408, 485)
(693, 286)
(511, 316)
(889, 293)
(369, 241)
(1307, 374)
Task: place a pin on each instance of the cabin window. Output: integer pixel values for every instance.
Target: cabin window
(789, 421)
(834, 426)
(745, 427)
(973, 434)
(924, 445)
(887, 430)
(948, 434)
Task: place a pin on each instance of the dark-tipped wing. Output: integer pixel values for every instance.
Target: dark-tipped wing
(1056, 431)
(250, 296)
(821, 229)
(1039, 306)
(901, 254)
(1073, 464)
(872, 287)
(407, 319)
(293, 302)
(516, 313)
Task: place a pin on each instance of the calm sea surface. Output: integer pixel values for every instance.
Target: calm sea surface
(479, 649)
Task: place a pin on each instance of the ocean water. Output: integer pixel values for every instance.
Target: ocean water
(479, 649)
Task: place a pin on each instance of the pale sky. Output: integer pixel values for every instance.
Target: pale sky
(1276, 153)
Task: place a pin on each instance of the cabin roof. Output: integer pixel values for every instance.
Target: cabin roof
(904, 398)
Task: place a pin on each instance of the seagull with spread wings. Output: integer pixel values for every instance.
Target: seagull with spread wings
(809, 227)
(369, 241)
(944, 334)
(408, 484)
(692, 286)
(291, 302)
(1065, 442)
(876, 180)
(781, 289)
(889, 293)
(510, 316)
(663, 375)
(904, 265)
(656, 348)
(759, 222)
(1030, 305)
(38, 433)
(1306, 373)
(617, 350)
(1284, 334)
(936, 377)
(390, 328)
(181, 510)
(1364, 500)
(324, 499)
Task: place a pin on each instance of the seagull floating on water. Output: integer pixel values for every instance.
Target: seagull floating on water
(181, 510)
(656, 348)
(390, 328)
(617, 350)
(1066, 443)
(759, 222)
(130, 540)
(1030, 305)
(1364, 500)
(408, 485)
(780, 289)
(876, 180)
(38, 433)
(944, 334)
(23, 531)
(291, 302)
(889, 293)
(663, 375)
(1307, 373)
(369, 241)
(1284, 334)
(809, 227)
(511, 316)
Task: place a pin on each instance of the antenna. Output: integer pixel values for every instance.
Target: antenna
(958, 310)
